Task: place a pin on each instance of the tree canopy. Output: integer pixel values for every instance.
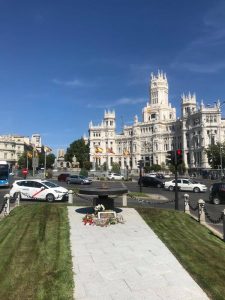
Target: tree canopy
(215, 154)
(81, 151)
(27, 156)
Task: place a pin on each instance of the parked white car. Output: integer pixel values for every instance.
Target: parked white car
(115, 176)
(185, 184)
(38, 189)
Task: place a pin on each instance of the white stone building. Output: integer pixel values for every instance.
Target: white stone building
(158, 132)
(13, 146)
(36, 141)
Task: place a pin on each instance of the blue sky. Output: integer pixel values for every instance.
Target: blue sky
(62, 63)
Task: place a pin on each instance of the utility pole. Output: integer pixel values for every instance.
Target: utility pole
(176, 190)
(33, 159)
(45, 164)
(140, 165)
(175, 158)
(178, 161)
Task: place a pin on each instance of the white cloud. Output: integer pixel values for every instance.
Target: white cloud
(140, 73)
(72, 83)
(206, 53)
(118, 102)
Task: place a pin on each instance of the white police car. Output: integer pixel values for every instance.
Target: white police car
(38, 189)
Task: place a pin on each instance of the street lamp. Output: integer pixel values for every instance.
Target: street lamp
(221, 157)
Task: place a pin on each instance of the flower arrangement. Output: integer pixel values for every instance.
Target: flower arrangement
(92, 219)
(88, 219)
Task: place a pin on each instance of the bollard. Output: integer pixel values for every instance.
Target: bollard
(224, 225)
(124, 199)
(18, 199)
(7, 207)
(201, 212)
(70, 197)
(186, 204)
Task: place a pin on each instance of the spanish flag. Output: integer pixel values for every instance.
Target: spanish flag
(47, 149)
(126, 152)
(110, 150)
(98, 150)
(29, 154)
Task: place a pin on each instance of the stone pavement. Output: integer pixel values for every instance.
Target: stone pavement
(126, 261)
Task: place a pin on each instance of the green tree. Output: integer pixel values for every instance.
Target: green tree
(163, 166)
(25, 159)
(84, 172)
(156, 167)
(181, 168)
(115, 168)
(80, 150)
(87, 165)
(171, 168)
(214, 154)
(50, 159)
(104, 166)
(27, 156)
(22, 161)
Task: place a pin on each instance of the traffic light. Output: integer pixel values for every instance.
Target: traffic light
(179, 157)
(140, 164)
(170, 158)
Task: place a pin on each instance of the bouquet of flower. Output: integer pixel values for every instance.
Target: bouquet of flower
(88, 220)
(99, 207)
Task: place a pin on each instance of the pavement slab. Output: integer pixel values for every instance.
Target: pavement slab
(125, 261)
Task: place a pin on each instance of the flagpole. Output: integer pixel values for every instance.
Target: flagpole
(33, 161)
(45, 164)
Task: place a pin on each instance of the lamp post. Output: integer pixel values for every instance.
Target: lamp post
(221, 156)
(45, 163)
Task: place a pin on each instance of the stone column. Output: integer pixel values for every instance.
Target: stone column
(124, 199)
(70, 197)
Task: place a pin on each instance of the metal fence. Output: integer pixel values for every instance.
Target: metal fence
(204, 217)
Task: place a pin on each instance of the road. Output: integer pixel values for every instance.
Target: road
(155, 196)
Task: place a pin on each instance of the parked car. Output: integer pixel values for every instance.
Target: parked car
(115, 176)
(151, 181)
(63, 176)
(78, 179)
(151, 174)
(217, 193)
(38, 189)
(160, 176)
(185, 184)
(167, 176)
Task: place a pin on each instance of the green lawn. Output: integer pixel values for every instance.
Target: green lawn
(35, 258)
(198, 250)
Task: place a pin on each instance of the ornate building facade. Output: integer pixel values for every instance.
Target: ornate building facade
(159, 131)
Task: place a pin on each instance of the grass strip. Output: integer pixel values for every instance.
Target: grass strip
(35, 258)
(200, 252)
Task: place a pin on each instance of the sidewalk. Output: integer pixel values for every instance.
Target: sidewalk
(126, 261)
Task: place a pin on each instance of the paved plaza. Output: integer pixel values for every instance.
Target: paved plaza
(125, 261)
